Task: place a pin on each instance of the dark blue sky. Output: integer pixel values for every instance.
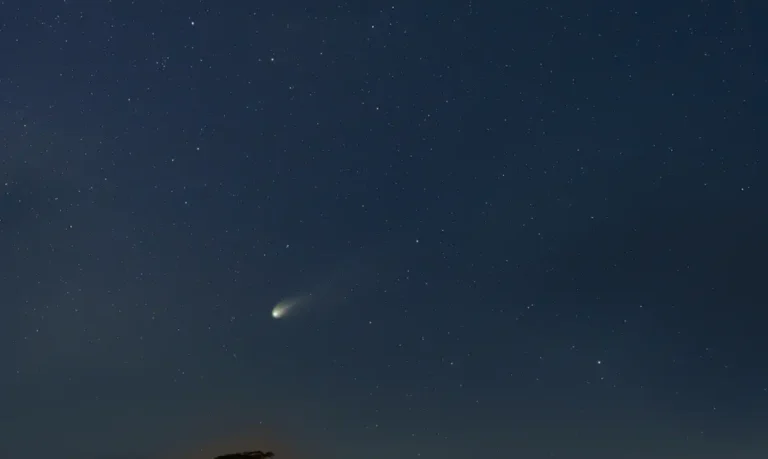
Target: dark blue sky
(514, 229)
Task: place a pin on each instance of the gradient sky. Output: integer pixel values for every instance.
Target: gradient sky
(519, 229)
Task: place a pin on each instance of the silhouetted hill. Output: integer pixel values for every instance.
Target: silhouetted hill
(247, 455)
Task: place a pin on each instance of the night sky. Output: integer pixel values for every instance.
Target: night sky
(507, 230)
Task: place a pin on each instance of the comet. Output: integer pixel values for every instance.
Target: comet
(284, 307)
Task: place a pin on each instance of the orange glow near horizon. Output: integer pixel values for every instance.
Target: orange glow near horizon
(251, 439)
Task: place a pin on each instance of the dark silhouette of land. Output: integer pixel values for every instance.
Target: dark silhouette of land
(247, 455)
